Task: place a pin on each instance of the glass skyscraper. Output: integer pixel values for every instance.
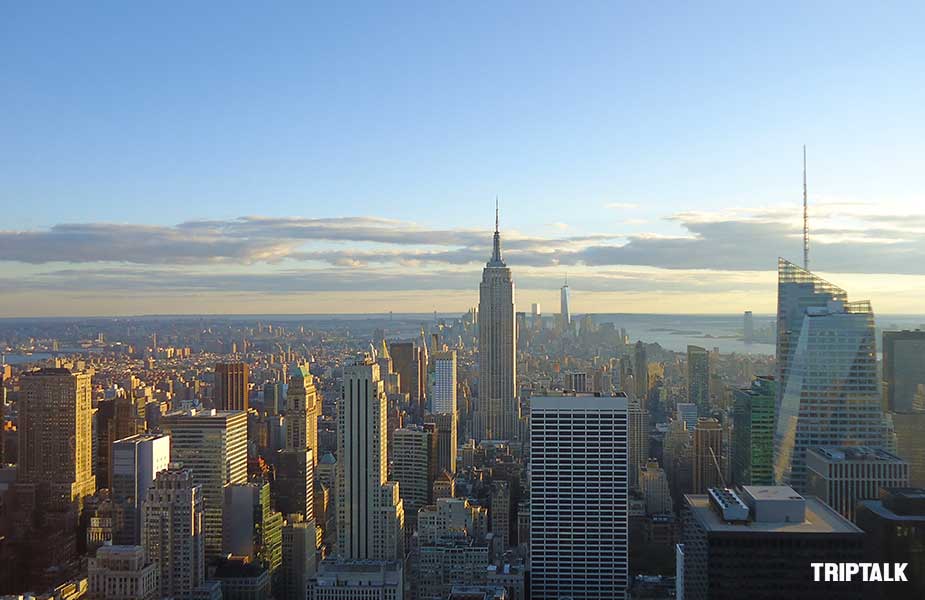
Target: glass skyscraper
(797, 290)
(831, 394)
(753, 433)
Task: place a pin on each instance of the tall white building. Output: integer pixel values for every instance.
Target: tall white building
(498, 409)
(213, 445)
(135, 462)
(564, 308)
(443, 389)
(172, 533)
(370, 513)
(578, 486)
(832, 396)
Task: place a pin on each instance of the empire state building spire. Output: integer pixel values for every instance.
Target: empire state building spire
(496, 260)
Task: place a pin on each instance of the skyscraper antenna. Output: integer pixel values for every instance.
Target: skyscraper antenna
(805, 216)
(497, 210)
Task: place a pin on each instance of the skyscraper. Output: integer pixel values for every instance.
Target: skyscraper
(565, 311)
(578, 458)
(698, 378)
(136, 460)
(370, 513)
(759, 542)
(298, 564)
(708, 455)
(55, 434)
(832, 395)
(797, 290)
(231, 392)
(213, 445)
(638, 428)
(121, 573)
(302, 411)
(841, 477)
(499, 411)
(895, 528)
(172, 532)
(443, 387)
(753, 433)
(413, 468)
(641, 374)
(903, 368)
(748, 327)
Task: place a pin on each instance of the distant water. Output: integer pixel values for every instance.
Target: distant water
(676, 332)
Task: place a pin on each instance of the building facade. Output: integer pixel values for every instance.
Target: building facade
(753, 433)
(841, 477)
(578, 458)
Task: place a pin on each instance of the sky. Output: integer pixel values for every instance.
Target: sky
(237, 157)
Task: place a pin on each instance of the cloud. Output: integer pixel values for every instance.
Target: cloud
(736, 239)
(621, 205)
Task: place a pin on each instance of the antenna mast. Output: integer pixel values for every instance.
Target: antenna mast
(805, 216)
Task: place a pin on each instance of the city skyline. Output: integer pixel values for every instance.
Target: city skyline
(340, 168)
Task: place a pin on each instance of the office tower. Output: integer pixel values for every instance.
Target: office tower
(213, 445)
(654, 485)
(698, 378)
(748, 327)
(298, 566)
(904, 396)
(833, 392)
(409, 361)
(841, 477)
(293, 488)
(564, 309)
(500, 515)
(303, 408)
(274, 397)
(451, 548)
(641, 374)
(116, 418)
(687, 414)
(443, 389)
(357, 580)
(578, 458)
(413, 466)
(759, 543)
(55, 434)
(536, 316)
(797, 290)
(903, 368)
(121, 573)
(136, 460)
(231, 392)
(910, 443)
(370, 514)
(499, 411)
(753, 433)
(446, 426)
(252, 528)
(638, 423)
(708, 455)
(895, 528)
(172, 532)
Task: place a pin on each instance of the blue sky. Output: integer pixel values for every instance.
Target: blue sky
(607, 119)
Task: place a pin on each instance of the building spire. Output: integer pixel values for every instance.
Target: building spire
(805, 216)
(496, 247)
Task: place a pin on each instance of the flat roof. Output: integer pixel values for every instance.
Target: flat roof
(579, 402)
(772, 492)
(854, 453)
(820, 518)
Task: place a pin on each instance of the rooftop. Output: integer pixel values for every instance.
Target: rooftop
(855, 453)
(819, 518)
(579, 402)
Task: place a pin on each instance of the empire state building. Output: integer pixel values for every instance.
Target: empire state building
(499, 411)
